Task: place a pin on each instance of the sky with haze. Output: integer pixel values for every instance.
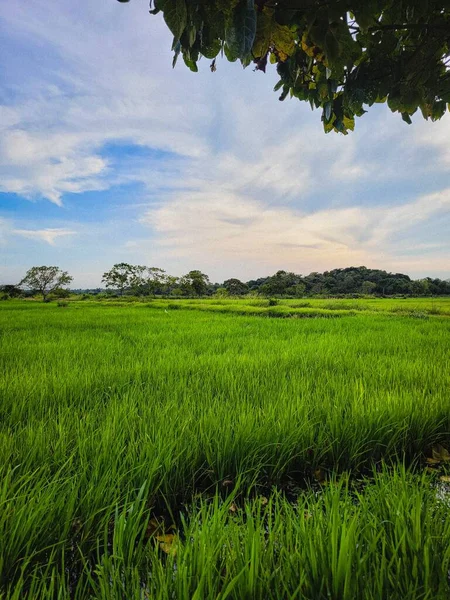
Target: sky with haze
(109, 155)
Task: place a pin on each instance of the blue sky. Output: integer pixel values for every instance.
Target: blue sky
(109, 155)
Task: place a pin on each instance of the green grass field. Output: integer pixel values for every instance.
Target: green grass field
(206, 449)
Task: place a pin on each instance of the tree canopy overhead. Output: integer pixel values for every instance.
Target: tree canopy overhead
(341, 56)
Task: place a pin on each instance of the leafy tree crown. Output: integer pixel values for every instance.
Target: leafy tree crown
(45, 279)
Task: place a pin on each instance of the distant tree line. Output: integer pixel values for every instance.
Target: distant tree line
(143, 281)
(139, 280)
(351, 280)
(124, 279)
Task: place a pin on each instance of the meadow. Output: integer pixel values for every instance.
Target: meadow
(225, 449)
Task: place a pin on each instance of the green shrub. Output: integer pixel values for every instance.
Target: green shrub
(221, 293)
(61, 293)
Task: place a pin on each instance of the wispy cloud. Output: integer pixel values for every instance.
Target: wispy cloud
(50, 236)
(228, 124)
(211, 227)
(51, 145)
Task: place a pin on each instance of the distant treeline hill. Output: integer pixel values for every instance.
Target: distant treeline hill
(124, 279)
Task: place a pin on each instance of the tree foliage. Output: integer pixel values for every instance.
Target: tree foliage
(45, 280)
(195, 283)
(235, 287)
(153, 281)
(351, 280)
(140, 280)
(341, 56)
(10, 290)
(124, 276)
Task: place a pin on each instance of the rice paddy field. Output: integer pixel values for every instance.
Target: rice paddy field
(225, 449)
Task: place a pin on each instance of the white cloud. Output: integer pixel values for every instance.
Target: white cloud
(47, 165)
(240, 231)
(113, 82)
(44, 235)
(105, 88)
(398, 218)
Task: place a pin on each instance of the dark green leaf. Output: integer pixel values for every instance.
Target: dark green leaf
(406, 118)
(175, 16)
(332, 47)
(240, 34)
